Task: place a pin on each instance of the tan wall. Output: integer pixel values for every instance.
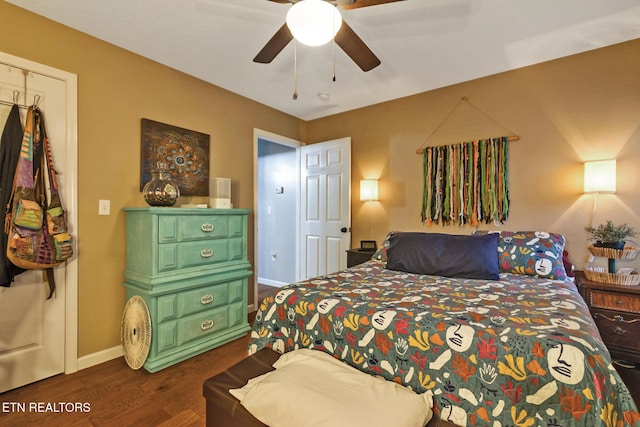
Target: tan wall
(116, 89)
(583, 107)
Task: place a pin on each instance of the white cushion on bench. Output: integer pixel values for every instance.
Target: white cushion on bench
(312, 388)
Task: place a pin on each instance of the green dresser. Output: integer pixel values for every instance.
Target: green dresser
(191, 268)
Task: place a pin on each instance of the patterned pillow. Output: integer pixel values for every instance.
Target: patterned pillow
(532, 253)
(381, 253)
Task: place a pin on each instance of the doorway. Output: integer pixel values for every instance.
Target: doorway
(276, 214)
(277, 207)
(302, 208)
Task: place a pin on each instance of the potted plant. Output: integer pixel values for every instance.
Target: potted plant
(609, 235)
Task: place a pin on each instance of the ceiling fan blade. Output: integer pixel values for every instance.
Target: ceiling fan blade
(355, 4)
(274, 46)
(357, 50)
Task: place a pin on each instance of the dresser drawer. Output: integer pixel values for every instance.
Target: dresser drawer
(615, 301)
(200, 299)
(619, 330)
(184, 317)
(202, 227)
(173, 334)
(192, 227)
(180, 304)
(175, 256)
(202, 324)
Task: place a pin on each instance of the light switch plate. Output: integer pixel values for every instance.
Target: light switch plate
(104, 207)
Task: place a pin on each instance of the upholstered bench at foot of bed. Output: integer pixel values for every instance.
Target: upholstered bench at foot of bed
(224, 410)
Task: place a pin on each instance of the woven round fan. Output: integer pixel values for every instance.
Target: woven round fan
(135, 332)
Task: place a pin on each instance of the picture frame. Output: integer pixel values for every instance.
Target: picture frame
(368, 245)
(184, 152)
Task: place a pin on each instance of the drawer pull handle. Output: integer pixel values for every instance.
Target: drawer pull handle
(617, 318)
(207, 324)
(207, 228)
(207, 299)
(206, 253)
(619, 331)
(619, 302)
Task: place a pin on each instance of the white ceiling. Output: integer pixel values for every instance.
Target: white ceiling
(423, 44)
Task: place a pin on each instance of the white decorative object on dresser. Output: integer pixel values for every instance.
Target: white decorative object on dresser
(220, 192)
(191, 268)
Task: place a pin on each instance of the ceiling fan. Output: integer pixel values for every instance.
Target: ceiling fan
(346, 38)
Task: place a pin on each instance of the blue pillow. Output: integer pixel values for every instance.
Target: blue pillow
(449, 255)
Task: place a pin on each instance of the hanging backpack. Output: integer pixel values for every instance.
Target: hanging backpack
(38, 237)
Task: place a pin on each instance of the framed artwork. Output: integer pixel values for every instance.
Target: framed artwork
(185, 154)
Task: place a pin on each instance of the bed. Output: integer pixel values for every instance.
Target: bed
(508, 342)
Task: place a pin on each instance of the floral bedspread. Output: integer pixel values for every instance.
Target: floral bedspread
(521, 351)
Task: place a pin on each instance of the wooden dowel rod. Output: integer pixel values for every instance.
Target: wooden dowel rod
(509, 138)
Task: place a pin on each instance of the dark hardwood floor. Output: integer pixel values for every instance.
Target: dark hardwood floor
(631, 377)
(264, 290)
(116, 395)
(120, 396)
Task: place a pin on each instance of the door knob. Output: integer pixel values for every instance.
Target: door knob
(344, 229)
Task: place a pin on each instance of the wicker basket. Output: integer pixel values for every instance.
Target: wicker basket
(626, 253)
(632, 279)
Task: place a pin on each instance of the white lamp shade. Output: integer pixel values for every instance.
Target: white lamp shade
(368, 189)
(313, 22)
(600, 176)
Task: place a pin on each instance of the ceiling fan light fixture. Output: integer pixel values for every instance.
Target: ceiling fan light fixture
(313, 22)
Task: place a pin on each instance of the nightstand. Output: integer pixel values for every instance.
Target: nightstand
(358, 256)
(616, 311)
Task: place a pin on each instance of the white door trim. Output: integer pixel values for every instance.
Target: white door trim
(278, 139)
(71, 199)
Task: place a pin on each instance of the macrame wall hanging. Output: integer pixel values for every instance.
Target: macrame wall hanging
(468, 182)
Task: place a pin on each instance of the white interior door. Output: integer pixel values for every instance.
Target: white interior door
(325, 206)
(34, 333)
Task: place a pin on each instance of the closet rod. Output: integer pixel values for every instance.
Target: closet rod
(28, 71)
(10, 104)
(25, 74)
(509, 138)
(24, 70)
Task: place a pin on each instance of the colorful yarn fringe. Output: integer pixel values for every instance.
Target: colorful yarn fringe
(466, 183)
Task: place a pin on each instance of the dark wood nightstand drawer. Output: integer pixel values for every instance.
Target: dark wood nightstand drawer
(615, 301)
(619, 330)
(358, 256)
(616, 311)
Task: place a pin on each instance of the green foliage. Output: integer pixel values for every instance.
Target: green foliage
(610, 233)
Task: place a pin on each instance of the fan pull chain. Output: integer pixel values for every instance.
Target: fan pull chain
(334, 51)
(295, 70)
(334, 59)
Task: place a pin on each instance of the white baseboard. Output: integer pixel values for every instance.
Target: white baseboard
(100, 357)
(270, 282)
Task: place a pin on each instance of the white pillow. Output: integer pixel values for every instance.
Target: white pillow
(312, 388)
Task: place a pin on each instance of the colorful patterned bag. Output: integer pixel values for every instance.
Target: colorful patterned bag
(36, 224)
